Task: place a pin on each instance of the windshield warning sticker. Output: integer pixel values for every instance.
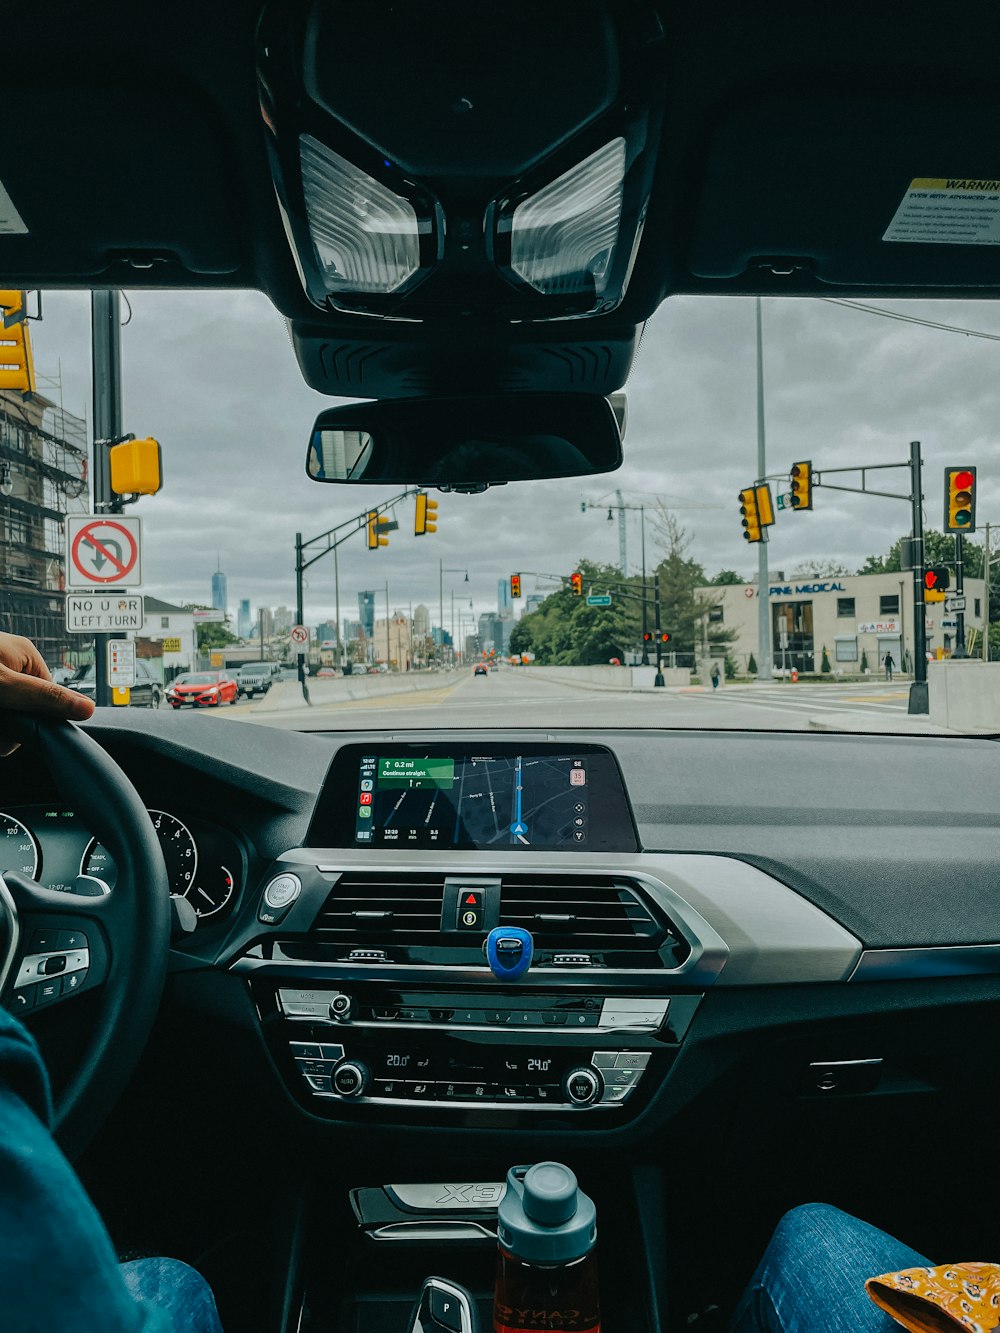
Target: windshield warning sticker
(948, 211)
(11, 222)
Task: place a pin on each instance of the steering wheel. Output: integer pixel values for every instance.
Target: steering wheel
(55, 945)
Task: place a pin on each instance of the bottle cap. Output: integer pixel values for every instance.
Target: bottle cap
(544, 1217)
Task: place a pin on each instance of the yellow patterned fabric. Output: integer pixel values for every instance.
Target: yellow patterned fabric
(941, 1300)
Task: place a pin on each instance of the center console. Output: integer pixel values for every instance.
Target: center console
(367, 962)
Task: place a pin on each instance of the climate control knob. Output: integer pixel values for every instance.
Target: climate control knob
(582, 1086)
(350, 1078)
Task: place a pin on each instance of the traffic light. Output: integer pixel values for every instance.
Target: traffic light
(757, 511)
(647, 637)
(936, 580)
(576, 583)
(136, 467)
(425, 518)
(375, 537)
(17, 366)
(515, 585)
(960, 499)
(664, 637)
(801, 479)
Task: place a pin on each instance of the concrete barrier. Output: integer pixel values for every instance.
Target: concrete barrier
(287, 694)
(965, 695)
(606, 677)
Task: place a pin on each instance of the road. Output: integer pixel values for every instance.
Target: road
(505, 699)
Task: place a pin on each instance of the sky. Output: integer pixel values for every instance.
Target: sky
(213, 377)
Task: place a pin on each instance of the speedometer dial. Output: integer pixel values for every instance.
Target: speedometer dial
(180, 851)
(18, 848)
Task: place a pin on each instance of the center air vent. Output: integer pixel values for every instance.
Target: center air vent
(377, 910)
(588, 913)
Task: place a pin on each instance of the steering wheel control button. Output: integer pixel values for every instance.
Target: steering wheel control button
(68, 940)
(350, 1079)
(582, 1086)
(47, 990)
(509, 951)
(277, 898)
(43, 940)
(53, 965)
(73, 981)
(22, 1000)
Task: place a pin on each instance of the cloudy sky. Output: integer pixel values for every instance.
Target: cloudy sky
(213, 377)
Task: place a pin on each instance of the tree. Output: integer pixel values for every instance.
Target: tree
(939, 549)
(684, 611)
(725, 578)
(212, 634)
(864, 662)
(751, 665)
(825, 665)
(522, 635)
(820, 569)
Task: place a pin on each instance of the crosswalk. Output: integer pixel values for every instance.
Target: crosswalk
(893, 699)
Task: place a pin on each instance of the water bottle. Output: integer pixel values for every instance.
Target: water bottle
(547, 1264)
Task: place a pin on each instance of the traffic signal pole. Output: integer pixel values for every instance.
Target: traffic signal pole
(959, 650)
(106, 375)
(658, 678)
(764, 664)
(919, 699)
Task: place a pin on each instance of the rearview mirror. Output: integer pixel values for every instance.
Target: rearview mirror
(465, 443)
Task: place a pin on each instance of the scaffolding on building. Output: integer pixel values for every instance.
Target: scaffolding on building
(43, 477)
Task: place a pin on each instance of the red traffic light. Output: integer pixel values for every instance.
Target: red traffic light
(647, 637)
(576, 583)
(664, 637)
(964, 480)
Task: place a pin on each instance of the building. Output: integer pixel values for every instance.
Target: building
(421, 621)
(284, 619)
(168, 632)
(494, 632)
(43, 477)
(220, 595)
(244, 619)
(533, 602)
(857, 618)
(396, 647)
(366, 610)
(503, 596)
(264, 628)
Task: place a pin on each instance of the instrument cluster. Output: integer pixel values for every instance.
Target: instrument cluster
(50, 844)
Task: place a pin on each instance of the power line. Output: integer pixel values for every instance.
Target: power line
(911, 319)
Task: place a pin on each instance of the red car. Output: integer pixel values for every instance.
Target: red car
(205, 688)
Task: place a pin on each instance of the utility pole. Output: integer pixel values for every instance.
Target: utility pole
(986, 597)
(299, 614)
(764, 671)
(336, 582)
(919, 701)
(622, 546)
(106, 375)
(658, 678)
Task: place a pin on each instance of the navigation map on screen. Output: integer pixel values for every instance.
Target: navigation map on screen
(473, 800)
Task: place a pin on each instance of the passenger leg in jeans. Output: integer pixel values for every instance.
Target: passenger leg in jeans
(168, 1284)
(812, 1276)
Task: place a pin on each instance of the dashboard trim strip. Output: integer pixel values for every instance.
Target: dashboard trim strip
(949, 960)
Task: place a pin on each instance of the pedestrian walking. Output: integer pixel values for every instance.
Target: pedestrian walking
(889, 664)
(715, 676)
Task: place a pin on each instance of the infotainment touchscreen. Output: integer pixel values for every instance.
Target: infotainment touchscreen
(499, 797)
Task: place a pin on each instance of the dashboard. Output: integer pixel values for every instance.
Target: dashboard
(719, 875)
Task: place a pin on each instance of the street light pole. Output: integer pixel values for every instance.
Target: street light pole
(763, 580)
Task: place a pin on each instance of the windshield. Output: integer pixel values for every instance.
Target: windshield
(627, 599)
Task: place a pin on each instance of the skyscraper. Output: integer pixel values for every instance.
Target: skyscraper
(366, 609)
(244, 619)
(220, 599)
(503, 595)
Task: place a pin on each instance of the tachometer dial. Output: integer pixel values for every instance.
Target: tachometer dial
(180, 852)
(18, 848)
(212, 892)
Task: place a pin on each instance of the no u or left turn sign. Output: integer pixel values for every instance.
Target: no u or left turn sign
(103, 552)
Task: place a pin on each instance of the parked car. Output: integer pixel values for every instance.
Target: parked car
(325, 673)
(204, 689)
(147, 692)
(255, 678)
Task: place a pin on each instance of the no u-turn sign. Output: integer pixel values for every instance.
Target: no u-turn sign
(103, 552)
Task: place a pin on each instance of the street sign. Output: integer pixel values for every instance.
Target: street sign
(121, 663)
(102, 613)
(172, 646)
(785, 500)
(211, 617)
(599, 599)
(299, 635)
(103, 552)
(954, 604)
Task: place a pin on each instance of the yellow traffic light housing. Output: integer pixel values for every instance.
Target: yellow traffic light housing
(960, 499)
(17, 364)
(515, 585)
(136, 467)
(375, 536)
(425, 517)
(576, 583)
(752, 531)
(801, 479)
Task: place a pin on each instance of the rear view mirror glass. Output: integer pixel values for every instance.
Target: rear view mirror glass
(465, 442)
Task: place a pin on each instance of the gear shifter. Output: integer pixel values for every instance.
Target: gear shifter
(444, 1307)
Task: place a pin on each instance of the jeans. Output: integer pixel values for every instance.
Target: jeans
(812, 1276)
(171, 1286)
